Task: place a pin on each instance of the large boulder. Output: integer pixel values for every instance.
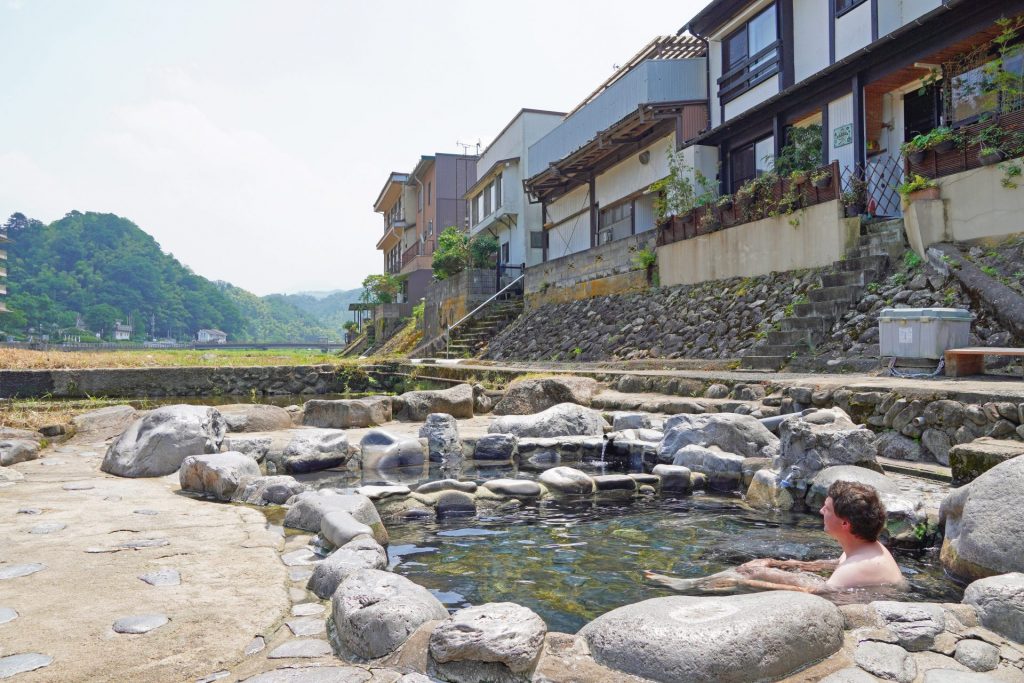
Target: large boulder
(255, 417)
(13, 451)
(497, 448)
(362, 552)
(274, 490)
(375, 611)
(734, 639)
(498, 641)
(155, 445)
(529, 396)
(732, 433)
(999, 602)
(216, 475)
(984, 525)
(256, 446)
(414, 406)
(724, 470)
(309, 507)
(311, 450)
(110, 420)
(823, 438)
(565, 419)
(380, 450)
(347, 413)
(442, 434)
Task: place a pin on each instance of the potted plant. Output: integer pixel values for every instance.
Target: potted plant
(725, 202)
(822, 178)
(914, 149)
(989, 156)
(798, 178)
(918, 187)
(709, 221)
(942, 139)
(856, 198)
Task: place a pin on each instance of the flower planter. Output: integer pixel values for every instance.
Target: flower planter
(823, 183)
(854, 211)
(799, 179)
(927, 193)
(990, 158)
(945, 146)
(916, 157)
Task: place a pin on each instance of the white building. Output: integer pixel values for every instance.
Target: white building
(211, 337)
(122, 332)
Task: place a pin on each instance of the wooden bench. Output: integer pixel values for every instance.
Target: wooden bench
(971, 360)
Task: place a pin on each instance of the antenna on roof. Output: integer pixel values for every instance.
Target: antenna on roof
(466, 145)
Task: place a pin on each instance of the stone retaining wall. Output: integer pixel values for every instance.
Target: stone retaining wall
(158, 382)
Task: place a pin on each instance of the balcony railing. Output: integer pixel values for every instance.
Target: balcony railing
(418, 249)
(966, 156)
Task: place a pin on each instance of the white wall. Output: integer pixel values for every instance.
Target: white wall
(629, 175)
(704, 159)
(572, 235)
(751, 98)
(715, 62)
(840, 113)
(810, 33)
(853, 30)
(911, 9)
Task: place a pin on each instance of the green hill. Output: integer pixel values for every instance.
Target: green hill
(330, 308)
(87, 270)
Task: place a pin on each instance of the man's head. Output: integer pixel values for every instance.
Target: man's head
(853, 509)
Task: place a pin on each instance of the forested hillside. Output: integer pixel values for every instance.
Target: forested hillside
(87, 270)
(329, 308)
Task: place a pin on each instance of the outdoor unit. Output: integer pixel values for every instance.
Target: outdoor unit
(922, 332)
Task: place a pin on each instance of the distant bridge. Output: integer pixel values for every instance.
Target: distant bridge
(127, 346)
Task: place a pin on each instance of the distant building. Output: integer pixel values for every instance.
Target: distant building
(211, 337)
(122, 332)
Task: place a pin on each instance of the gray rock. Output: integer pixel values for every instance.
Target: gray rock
(255, 645)
(318, 674)
(494, 641)
(977, 655)
(13, 665)
(447, 485)
(414, 406)
(48, 528)
(155, 445)
(453, 504)
(724, 470)
(143, 623)
(306, 627)
(442, 434)
(674, 478)
(7, 615)
(375, 612)
(822, 438)
(162, 577)
(739, 434)
(274, 490)
(937, 443)
(383, 491)
(716, 639)
(622, 421)
(256, 447)
(304, 649)
(254, 417)
(347, 413)
(716, 391)
(380, 450)
(339, 527)
(885, 660)
(565, 419)
(514, 488)
(308, 508)
(566, 480)
(529, 396)
(216, 475)
(7, 475)
(312, 450)
(13, 451)
(361, 552)
(851, 674)
(984, 530)
(999, 601)
(495, 447)
(308, 609)
(112, 419)
(15, 571)
(915, 625)
(612, 483)
(895, 446)
(947, 676)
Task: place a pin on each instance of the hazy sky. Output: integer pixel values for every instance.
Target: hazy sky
(251, 137)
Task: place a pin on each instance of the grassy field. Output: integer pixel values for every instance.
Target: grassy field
(20, 359)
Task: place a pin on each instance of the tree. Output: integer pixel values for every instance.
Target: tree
(381, 289)
(452, 253)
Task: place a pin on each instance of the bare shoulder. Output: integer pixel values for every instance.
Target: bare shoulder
(873, 567)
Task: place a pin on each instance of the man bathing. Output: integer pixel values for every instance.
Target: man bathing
(854, 516)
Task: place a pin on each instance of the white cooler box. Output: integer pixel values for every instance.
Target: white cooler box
(922, 332)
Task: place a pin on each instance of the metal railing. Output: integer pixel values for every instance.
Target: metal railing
(448, 331)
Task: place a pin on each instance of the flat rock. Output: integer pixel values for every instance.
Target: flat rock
(567, 480)
(307, 627)
(162, 577)
(504, 637)
(155, 445)
(716, 639)
(8, 475)
(48, 528)
(380, 492)
(415, 406)
(14, 571)
(851, 674)
(7, 614)
(915, 625)
(347, 413)
(142, 623)
(564, 419)
(514, 488)
(999, 602)
(18, 664)
(112, 419)
(144, 543)
(674, 478)
(885, 660)
(947, 676)
(317, 674)
(447, 485)
(308, 609)
(78, 486)
(968, 461)
(614, 482)
(255, 645)
(217, 475)
(301, 649)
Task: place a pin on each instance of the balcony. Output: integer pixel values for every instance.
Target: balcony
(418, 249)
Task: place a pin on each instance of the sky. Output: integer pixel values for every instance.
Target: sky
(251, 137)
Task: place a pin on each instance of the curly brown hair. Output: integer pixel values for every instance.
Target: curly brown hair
(860, 506)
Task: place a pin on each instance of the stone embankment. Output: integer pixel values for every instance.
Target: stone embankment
(330, 609)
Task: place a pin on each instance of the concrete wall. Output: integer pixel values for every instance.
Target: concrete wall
(973, 206)
(603, 270)
(820, 238)
(158, 382)
(449, 300)
(853, 30)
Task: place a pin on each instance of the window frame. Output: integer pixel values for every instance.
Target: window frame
(850, 5)
(746, 74)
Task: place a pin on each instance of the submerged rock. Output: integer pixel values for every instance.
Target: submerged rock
(565, 419)
(740, 638)
(155, 445)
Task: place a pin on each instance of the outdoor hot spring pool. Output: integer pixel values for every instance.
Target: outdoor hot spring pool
(571, 562)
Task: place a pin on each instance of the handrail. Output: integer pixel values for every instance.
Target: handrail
(448, 331)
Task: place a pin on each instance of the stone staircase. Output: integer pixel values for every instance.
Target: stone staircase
(840, 290)
(471, 338)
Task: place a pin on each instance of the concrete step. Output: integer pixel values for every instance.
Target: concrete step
(881, 238)
(820, 325)
(877, 263)
(827, 310)
(788, 337)
(840, 293)
(859, 278)
(763, 362)
(882, 227)
(783, 350)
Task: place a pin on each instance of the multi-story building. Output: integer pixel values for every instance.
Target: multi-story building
(497, 201)
(416, 206)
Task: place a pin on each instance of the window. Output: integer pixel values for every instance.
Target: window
(750, 55)
(474, 206)
(497, 191)
(844, 6)
(430, 227)
(430, 191)
(750, 161)
(504, 253)
(488, 191)
(615, 223)
(536, 239)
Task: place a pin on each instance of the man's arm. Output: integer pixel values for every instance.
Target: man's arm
(808, 566)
